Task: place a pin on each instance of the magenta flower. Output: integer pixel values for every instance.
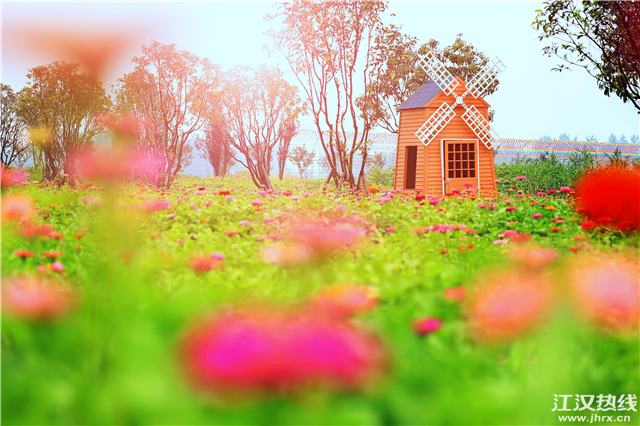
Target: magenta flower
(521, 178)
(217, 256)
(510, 208)
(500, 242)
(268, 219)
(257, 203)
(427, 325)
(390, 229)
(565, 189)
(536, 215)
(277, 351)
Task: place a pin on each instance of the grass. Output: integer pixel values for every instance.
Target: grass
(113, 359)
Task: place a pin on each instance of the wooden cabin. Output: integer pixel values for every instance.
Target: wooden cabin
(455, 156)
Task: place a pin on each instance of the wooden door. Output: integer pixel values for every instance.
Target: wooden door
(460, 165)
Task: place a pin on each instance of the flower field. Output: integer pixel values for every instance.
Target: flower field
(212, 303)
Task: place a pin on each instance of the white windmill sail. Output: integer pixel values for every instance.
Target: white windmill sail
(477, 87)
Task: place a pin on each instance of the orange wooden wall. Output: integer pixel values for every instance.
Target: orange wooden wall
(429, 167)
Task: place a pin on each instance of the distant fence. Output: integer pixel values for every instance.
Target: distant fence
(386, 144)
(563, 149)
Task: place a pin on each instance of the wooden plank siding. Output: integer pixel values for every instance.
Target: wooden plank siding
(429, 167)
(410, 122)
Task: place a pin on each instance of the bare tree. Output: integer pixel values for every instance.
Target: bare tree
(215, 147)
(15, 143)
(302, 158)
(259, 105)
(283, 147)
(323, 42)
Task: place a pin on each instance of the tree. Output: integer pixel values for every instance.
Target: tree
(591, 138)
(65, 105)
(613, 139)
(169, 91)
(283, 146)
(259, 107)
(302, 158)
(634, 140)
(215, 147)
(603, 37)
(376, 161)
(395, 63)
(13, 129)
(328, 47)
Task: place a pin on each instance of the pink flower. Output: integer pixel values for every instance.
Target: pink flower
(277, 351)
(217, 256)
(427, 325)
(245, 223)
(268, 219)
(510, 208)
(565, 189)
(341, 207)
(35, 298)
(500, 242)
(536, 215)
(509, 233)
(552, 191)
(181, 240)
(56, 266)
(230, 197)
(203, 263)
(257, 203)
(521, 178)
(390, 229)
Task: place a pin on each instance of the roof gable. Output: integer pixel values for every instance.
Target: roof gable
(428, 92)
(425, 94)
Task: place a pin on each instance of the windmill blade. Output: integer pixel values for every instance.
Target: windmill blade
(480, 126)
(480, 84)
(438, 73)
(435, 123)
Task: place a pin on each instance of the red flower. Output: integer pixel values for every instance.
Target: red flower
(204, 263)
(23, 254)
(611, 192)
(588, 224)
(555, 230)
(344, 300)
(455, 293)
(427, 325)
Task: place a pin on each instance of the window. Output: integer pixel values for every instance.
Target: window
(411, 159)
(461, 160)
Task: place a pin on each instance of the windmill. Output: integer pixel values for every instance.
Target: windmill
(477, 87)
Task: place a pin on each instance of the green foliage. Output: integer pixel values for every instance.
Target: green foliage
(543, 173)
(602, 37)
(113, 360)
(382, 177)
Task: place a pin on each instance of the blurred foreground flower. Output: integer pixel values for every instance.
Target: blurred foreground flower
(278, 351)
(507, 305)
(324, 237)
(530, 258)
(610, 196)
(344, 300)
(16, 207)
(10, 177)
(606, 291)
(35, 298)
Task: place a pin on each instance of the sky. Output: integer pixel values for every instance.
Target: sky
(532, 100)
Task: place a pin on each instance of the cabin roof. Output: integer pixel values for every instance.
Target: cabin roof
(425, 94)
(422, 96)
